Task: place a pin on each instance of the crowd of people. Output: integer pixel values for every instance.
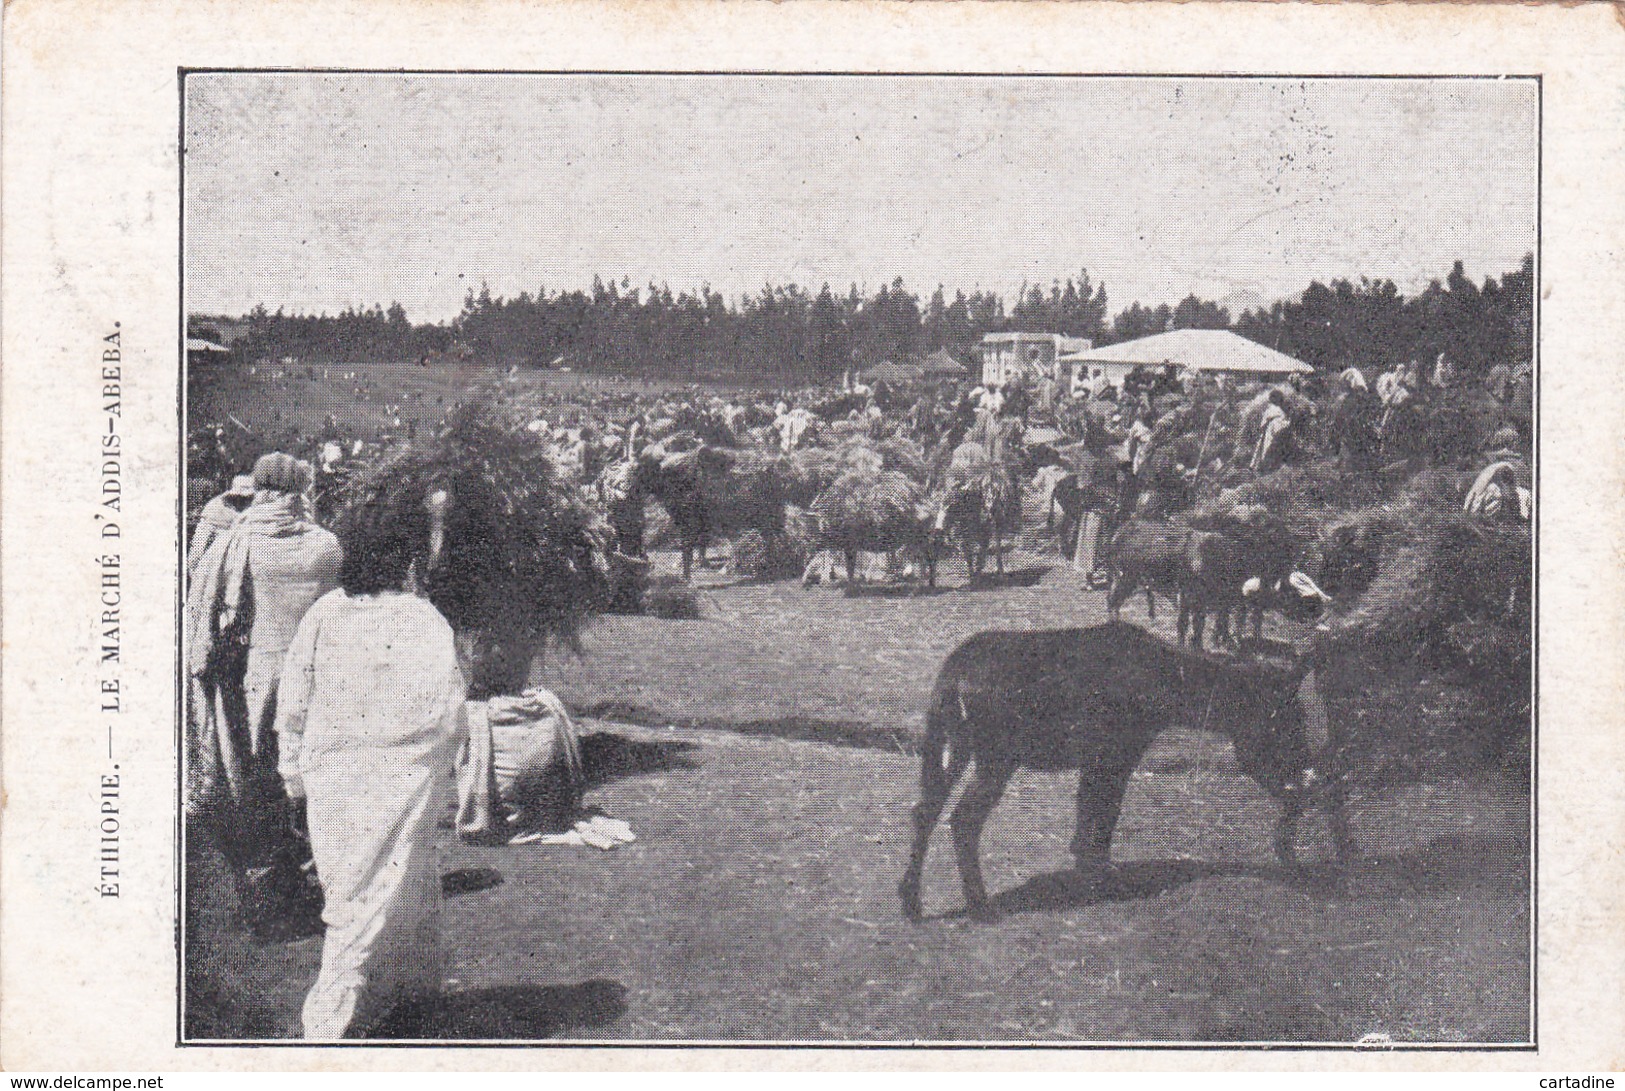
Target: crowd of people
(326, 704)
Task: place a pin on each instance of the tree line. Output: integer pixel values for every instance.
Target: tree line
(792, 333)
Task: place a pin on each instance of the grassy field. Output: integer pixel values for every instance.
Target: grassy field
(763, 756)
(274, 398)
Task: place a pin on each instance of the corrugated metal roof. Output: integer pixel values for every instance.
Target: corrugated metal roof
(1204, 350)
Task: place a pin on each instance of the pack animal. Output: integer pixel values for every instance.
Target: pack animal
(976, 518)
(1147, 554)
(913, 537)
(708, 497)
(884, 512)
(1094, 700)
(1216, 567)
(1231, 554)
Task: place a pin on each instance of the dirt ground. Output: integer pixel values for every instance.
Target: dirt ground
(763, 757)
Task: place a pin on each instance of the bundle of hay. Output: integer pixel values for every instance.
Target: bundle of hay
(867, 503)
(868, 509)
(1350, 549)
(801, 531)
(1250, 417)
(811, 471)
(670, 599)
(759, 557)
(1304, 496)
(1460, 420)
(522, 564)
(974, 470)
(905, 456)
(1431, 659)
(1454, 590)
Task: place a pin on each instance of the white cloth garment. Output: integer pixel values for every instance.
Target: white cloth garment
(524, 755)
(1270, 428)
(370, 717)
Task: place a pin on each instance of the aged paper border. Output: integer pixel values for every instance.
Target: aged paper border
(90, 111)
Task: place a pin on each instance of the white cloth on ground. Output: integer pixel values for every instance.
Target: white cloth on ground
(599, 831)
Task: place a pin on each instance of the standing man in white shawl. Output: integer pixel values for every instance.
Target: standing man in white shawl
(370, 716)
(1269, 454)
(243, 603)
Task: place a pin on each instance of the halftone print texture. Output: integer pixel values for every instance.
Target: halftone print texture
(859, 560)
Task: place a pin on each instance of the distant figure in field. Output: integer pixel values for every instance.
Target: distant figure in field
(1272, 442)
(1355, 423)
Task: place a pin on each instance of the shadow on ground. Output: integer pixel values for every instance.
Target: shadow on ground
(800, 728)
(893, 590)
(469, 880)
(1446, 866)
(1455, 865)
(214, 1014)
(1031, 576)
(1135, 880)
(510, 1012)
(606, 756)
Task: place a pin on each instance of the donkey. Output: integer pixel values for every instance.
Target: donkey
(1094, 700)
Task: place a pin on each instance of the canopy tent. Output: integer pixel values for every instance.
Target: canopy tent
(942, 365)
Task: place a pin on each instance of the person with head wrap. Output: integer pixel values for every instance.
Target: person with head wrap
(244, 601)
(217, 517)
(1496, 496)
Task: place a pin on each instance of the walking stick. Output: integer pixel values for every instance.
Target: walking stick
(1201, 455)
(1088, 532)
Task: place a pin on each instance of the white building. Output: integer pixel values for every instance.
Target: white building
(1028, 355)
(1212, 352)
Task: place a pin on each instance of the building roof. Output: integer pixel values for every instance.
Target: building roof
(198, 344)
(1203, 350)
(941, 362)
(888, 372)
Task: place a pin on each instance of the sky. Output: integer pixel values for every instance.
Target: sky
(316, 192)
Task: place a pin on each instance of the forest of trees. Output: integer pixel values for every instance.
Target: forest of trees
(791, 333)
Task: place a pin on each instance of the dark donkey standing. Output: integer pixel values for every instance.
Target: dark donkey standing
(1093, 700)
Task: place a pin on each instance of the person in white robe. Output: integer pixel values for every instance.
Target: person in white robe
(1275, 422)
(371, 715)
